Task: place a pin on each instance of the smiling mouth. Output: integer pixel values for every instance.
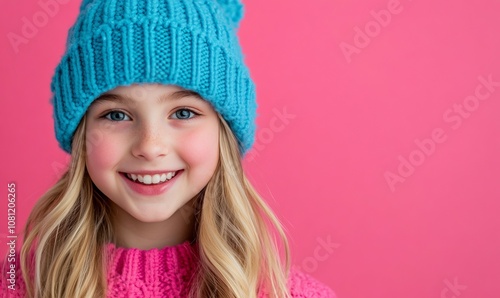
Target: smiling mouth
(151, 179)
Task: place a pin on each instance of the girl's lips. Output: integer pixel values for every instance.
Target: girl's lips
(150, 189)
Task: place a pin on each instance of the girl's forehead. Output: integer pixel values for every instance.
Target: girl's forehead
(138, 89)
(153, 93)
(139, 92)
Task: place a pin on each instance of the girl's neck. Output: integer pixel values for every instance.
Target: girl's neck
(132, 233)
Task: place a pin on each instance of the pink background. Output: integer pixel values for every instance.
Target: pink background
(352, 120)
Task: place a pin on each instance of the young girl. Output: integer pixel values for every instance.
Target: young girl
(154, 103)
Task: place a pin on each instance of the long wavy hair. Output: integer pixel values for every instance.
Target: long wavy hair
(69, 226)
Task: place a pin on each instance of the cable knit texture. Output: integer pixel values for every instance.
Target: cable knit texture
(166, 272)
(189, 43)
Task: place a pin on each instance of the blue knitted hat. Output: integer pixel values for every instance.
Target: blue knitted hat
(189, 43)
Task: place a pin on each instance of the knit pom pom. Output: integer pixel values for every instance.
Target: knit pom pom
(233, 10)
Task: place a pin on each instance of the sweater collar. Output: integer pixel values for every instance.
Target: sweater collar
(132, 264)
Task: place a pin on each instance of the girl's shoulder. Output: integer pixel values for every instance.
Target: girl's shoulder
(11, 281)
(304, 285)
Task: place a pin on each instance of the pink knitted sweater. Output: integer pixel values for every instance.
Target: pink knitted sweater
(163, 272)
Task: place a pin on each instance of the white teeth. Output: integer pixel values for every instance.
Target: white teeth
(164, 177)
(154, 179)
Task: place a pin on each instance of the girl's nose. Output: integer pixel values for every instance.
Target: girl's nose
(150, 143)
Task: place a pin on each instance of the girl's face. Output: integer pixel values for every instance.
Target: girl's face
(143, 133)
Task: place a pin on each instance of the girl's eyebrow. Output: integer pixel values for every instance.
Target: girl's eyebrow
(110, 97)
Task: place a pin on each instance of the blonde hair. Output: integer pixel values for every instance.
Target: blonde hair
(69, 226)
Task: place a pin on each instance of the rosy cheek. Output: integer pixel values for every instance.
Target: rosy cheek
(200, 146)
(101, 149)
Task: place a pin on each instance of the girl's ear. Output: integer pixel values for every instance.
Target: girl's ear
(233, 9)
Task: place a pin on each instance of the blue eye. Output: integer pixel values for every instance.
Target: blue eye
(116, 116)
(183, 114)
